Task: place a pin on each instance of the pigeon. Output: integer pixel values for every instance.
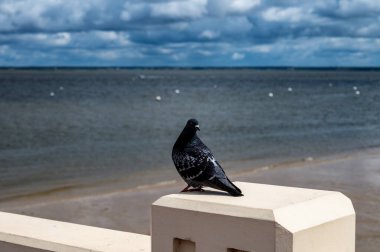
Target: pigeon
(196, 164)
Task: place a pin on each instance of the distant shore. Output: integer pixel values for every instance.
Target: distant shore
(311, 68)
(355, 174)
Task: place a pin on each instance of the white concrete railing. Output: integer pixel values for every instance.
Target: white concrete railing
(19, 233)
(266, 218)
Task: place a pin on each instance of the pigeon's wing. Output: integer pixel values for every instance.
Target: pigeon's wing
(215, 177)
(198, 167)
(209, 172)
(190, 163)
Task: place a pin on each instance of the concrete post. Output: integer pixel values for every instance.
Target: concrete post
(266, 218)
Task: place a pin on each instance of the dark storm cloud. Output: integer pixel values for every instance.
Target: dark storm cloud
(190, 32)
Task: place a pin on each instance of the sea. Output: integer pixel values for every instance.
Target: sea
(62, 128)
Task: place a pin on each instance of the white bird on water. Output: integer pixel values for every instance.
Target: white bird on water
(270, 94)
(290, 89)
(177, 91)
(158, 98)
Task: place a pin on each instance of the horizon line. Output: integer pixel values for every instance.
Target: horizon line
(192, 67)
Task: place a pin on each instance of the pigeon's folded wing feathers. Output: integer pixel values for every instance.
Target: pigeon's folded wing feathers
(216, 178)
(210, 172)
(191, 163)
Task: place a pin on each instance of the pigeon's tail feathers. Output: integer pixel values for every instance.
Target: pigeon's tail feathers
(236, 188)
(227, 186)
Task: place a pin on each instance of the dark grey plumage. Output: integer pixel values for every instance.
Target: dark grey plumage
(196, 164)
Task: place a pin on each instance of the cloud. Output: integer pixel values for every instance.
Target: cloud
(234, 7)
(208, 34)
(189, 32)
(58, 39)
(260, 48)
(179, 10)
(163, 11)
(291, 14)
(4, 49)
(237, 56)
(58, 15)
(348, 9)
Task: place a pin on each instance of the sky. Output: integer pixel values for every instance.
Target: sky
(330, 33)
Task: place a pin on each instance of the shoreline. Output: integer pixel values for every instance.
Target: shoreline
(109, 186)
(357, 175)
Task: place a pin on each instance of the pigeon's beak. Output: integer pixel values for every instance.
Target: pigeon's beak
(197, 127)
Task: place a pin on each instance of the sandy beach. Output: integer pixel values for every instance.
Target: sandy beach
(356, 175)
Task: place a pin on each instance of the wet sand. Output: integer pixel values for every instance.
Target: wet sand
(356, 175)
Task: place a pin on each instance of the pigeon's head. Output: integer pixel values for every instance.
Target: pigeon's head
(192, 125)
(187, 134)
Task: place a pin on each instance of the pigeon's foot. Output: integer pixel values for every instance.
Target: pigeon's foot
(198, 189)
(185, 189)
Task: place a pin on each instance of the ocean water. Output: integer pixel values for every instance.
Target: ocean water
(70, 127)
